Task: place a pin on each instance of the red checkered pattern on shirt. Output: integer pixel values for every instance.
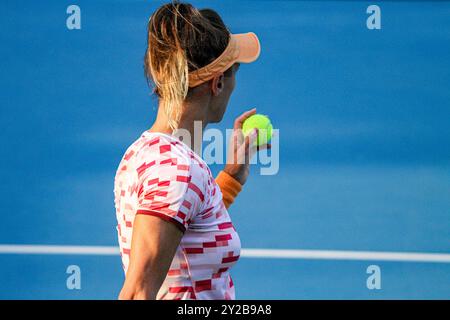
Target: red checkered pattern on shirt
(162, 177)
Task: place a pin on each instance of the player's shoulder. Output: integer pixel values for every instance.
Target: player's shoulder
(163, 152)
(162, 149)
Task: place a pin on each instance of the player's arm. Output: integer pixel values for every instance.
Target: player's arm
(237, 168)
(153, 246)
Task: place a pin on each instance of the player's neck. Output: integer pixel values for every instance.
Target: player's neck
(193, 119)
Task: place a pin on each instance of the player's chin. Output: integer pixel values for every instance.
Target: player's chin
(216, 120)
(218, 116)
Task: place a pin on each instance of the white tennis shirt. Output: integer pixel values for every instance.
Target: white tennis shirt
(163, 177)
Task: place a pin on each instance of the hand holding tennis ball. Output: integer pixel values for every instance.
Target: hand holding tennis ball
(244, 145)
(260, 122)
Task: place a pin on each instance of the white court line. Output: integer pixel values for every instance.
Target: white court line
(54, 249)
(246, 253)
(347, 255)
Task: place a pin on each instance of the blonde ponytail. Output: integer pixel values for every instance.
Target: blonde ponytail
(174, 89)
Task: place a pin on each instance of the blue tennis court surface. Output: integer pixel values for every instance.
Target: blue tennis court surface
(364, 143)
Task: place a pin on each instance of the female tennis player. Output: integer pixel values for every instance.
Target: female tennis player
(176, 238)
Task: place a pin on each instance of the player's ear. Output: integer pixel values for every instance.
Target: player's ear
(217, 84)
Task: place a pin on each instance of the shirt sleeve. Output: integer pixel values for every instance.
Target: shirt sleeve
(166, 191)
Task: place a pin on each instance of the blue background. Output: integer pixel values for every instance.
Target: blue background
(364, 142)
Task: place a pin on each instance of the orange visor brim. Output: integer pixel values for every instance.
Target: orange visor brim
(242, 48)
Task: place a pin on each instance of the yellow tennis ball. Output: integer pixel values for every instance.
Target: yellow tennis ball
(262, 123)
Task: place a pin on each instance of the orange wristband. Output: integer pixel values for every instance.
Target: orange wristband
(229, 186)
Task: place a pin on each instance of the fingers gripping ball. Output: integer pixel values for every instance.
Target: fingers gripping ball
(262, 123)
